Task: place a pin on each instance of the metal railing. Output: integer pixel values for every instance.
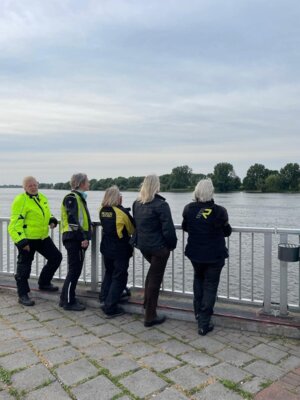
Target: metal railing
(252, 274)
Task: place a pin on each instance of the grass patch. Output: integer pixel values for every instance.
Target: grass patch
(5, 376)
(236, 388)
(266, 384)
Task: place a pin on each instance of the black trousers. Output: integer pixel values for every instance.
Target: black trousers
(48, 250)
(75, 263)
(114, 282)
(158, 261)
(206, 282)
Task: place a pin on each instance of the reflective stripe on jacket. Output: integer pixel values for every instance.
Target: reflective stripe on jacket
(30, 217)
(118, 226)
(75, 218)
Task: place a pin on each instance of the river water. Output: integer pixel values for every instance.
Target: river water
(267, 210)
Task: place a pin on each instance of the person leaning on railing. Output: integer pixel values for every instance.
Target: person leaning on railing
(29, 229)
(155, 236)
(207, 226)
(117, 228)
(76, 228)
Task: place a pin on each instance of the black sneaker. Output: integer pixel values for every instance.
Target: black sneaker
(116, 313)
(205, 329)
(157, 321)
(26, 301)
(76, 306)
(48, 288)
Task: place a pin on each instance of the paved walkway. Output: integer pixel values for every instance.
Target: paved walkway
(49, 353)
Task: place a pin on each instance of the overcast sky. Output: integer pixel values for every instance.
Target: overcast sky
(131, 87)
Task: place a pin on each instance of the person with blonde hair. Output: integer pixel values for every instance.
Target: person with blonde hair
(117, 228)
(155, 236)
(76, 228)
(207, 226)
(29, 229)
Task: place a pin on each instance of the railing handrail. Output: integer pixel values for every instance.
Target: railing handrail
(251, 274)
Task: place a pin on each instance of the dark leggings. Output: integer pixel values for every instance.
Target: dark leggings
(158, 261)
(206, 282)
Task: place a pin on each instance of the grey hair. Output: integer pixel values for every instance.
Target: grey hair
(28, 179)
(77, 180)
(204, 190)
(111, 197)
(149, 188)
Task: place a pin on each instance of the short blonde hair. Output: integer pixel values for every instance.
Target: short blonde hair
(111, 197)
(149, 188)
(204, 190)
(77, 180)
(28, 179)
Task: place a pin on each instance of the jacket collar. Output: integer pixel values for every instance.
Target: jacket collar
(158, 196)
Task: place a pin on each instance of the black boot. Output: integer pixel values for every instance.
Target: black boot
(203, 330)
(26, 301)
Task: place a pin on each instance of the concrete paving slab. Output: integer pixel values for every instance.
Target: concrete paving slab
(100, 351)
(268, 353)
(70, 331)
(61, 355)
(36, 333)
(174, 347)
(188, 377)
(120, 339)
(152, 336)
(233, 356)
(170, 394)
(6, 396)
(119, 365)
(160, 362)
(85, 340)
(76, 372)
(48, 343)
(32, 377)
(99, 387)
(139, 349)
(216, 391)
(19, 360)
(208, 344)
(264, 370)
(104, 330)
(143, 383)
(50, 392)
(229, 372)
(30, 324)
(199, 359)
(11, 346)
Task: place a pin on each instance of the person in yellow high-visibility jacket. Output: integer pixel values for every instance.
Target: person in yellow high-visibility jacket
(29, 229)
(76, 228)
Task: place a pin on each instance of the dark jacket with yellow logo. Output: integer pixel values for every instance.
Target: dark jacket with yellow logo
(207, 226)
(118, 226)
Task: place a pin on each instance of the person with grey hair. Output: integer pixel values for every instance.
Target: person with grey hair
(29, 229)
(155, 236)
(76, 228)
(117, 228)
(207, 226)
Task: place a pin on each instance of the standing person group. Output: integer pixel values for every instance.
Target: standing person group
(151, 230)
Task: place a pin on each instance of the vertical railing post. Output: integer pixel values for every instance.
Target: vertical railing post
(283, 280)
(267, 271)
(1, 246)
(94, 259)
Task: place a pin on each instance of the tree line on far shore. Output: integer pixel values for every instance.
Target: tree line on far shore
(182, 178)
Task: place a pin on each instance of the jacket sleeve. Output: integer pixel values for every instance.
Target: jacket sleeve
(167, 225)
(222, 221)
(184, 224)
(17, 222)
(71, 206)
